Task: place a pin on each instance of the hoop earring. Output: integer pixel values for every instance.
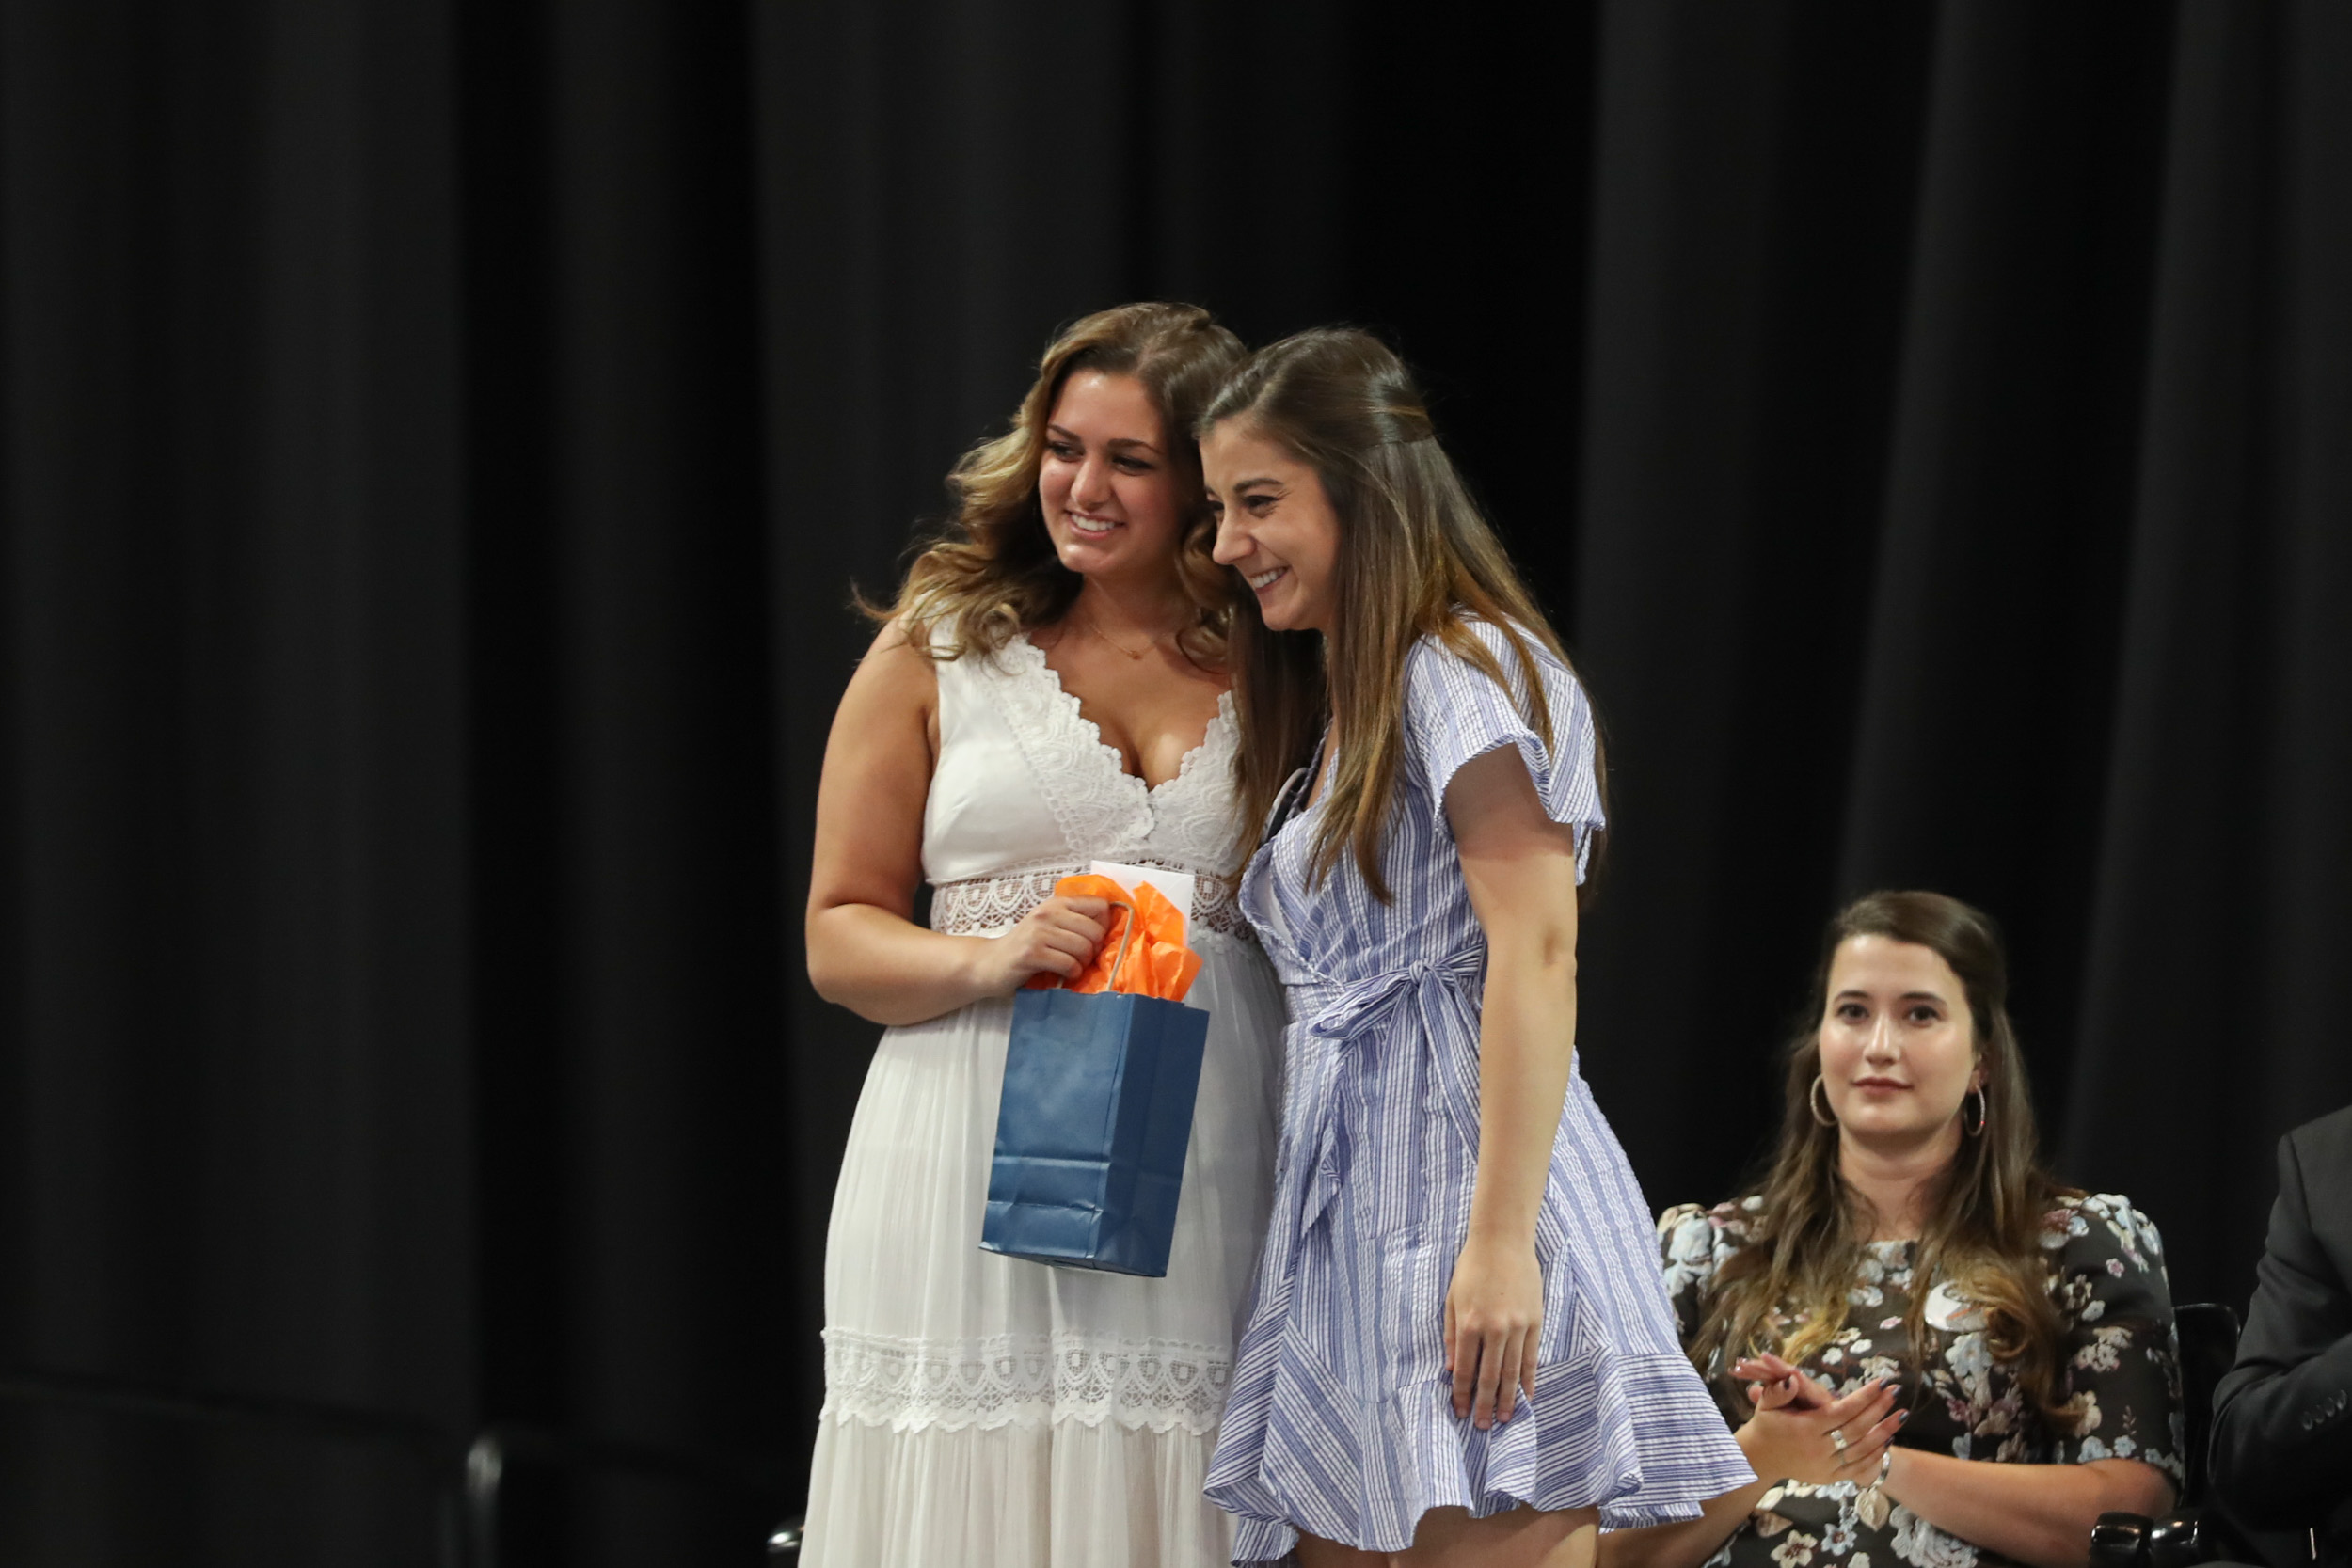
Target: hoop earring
(1983, 1114)
(1813, 1104)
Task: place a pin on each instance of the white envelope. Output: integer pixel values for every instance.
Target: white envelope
(1174, 886)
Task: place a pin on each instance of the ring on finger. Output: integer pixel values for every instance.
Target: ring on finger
(1837, 1437)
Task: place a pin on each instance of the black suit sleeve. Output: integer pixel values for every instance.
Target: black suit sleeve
(2282, 1424)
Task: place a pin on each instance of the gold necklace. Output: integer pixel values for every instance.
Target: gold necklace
(1096, 627)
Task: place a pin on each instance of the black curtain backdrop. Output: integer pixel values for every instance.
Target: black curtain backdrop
(438, 445)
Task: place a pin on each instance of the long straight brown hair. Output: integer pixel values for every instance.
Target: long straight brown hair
(1417, 558)
(1984, 1231)
(994, 571)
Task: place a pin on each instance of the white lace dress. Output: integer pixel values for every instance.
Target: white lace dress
(978, 1409)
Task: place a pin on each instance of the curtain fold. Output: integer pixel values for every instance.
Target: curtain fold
(1979, 740)
(234, 1029)
(1753, 193)
(2223, 905)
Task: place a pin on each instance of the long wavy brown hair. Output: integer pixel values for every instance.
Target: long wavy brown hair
(993, 570)
(1417, 558)
(1984, 1231)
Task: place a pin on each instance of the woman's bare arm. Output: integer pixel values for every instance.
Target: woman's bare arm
(2037, 1514)
(1519, 868)
(864, 952)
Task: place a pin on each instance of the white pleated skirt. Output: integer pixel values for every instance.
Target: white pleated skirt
(982, 1412)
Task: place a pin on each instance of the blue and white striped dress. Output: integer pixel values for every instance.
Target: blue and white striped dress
(1341, 1420)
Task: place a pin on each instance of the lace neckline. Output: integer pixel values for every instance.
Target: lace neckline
(1075, 712)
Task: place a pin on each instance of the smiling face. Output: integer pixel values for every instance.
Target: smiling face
(1110, 495)
(1898, 1047)
(1274, 525)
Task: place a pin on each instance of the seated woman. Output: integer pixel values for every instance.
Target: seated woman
(1933, 1353)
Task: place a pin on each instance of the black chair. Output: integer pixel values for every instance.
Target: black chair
(2195, 1532)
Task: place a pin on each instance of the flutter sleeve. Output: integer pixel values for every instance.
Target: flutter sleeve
(2123, 1361)
(1456, 711)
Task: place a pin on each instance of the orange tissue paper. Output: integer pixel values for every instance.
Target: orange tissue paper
(1143, 954)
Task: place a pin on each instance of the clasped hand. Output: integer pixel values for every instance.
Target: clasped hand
(1801, 1431)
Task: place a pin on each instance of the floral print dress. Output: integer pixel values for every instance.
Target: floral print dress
(2105, 1266)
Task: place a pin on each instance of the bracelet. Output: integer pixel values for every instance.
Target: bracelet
(1871, 1503)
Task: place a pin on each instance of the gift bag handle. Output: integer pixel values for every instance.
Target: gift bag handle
(1126, 934)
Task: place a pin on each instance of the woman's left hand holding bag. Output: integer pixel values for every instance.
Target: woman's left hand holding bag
(1057, 938)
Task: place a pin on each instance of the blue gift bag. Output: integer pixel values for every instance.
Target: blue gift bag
(1091, 1130)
